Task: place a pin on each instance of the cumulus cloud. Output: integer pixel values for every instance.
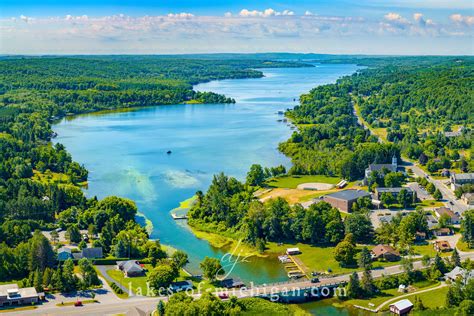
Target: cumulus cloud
(265, 13)
(24, 18)
(183, 15)
(418, 17)
(308, 13)
(462, 19)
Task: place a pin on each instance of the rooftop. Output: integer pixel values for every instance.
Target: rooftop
(464, 176)
(13, 290)
(403, 304)
(393, 190)
(349, 195)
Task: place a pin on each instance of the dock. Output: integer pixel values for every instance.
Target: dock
(178, 217)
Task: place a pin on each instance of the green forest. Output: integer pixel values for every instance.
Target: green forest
(40, 184)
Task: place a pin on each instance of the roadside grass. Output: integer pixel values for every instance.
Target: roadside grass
(291, 182)
(122, 295)
(10, 309)
(430, 203)
(137, 284)
(72, 303)
(429, 250)
(462, 246)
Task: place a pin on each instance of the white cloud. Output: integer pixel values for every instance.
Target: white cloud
(183, 15)
(228, 14)
(418, 17)
(462, 19)
(24, 18)
(308, 13)
(265, 13)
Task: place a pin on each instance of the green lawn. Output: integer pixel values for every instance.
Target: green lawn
(386, 295)
(462, 246)
(138, 284)
(291, 182)
(122, 296)
(430, 203)
(429, 250)
(320, 259)
(431, 299)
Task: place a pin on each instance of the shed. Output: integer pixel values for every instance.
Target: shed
(402, 307)
(293, 251)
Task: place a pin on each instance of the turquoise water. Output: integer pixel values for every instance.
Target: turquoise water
(125, 152)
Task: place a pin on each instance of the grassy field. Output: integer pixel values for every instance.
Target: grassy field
(386, 295)
(138, 284)
(72, 303)
(429, 250)
(319, 259)
(430, 203)
(50, 177)
(462, 246)
(431, 299)
(291, 182)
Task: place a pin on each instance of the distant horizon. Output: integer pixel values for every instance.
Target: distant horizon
(341, 27)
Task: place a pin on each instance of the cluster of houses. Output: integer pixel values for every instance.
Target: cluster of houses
(457, 180)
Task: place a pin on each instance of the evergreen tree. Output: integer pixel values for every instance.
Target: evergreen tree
(160, 308)
(38, 280)
(455, 258)
(41, 253)
(47, 276)
(437, 195)
(88, 273)
(120, 249)
(69, 279)
(365, 259)
(353, 287)
(57, 279)
(367, 283)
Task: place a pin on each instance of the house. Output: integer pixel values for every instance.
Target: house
(442, 246)
(64, 253)
(458, 179)
(232, 283)
(468, 198)
(92, 253)
(386, 252)
(345, 199)
(454, 218)
(293, 251)
(393, 191)
(445, 172)
(420, 236)
(130, 268)
(181, 286)
(380, 167)
(444, 231)
(10, 294)
(402, 307)
(431, 221)
(402, 288)
(459, 273)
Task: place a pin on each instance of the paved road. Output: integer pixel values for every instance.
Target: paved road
(448, 195)
(148, 304)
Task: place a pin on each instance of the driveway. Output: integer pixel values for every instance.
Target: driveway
(103, 271)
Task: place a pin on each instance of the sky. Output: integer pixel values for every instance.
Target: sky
(403, 27)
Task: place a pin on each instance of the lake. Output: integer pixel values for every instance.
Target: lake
(126, 151)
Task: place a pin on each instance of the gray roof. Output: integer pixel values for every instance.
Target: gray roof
(92, 253)
(393, 190)
(402, 305)
(64, 249)
(464, 176)
(349, 195)
(129, 266)
(378, 167)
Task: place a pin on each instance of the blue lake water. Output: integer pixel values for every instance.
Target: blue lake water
(125, 152)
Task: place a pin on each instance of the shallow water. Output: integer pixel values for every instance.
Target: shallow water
(126, 152)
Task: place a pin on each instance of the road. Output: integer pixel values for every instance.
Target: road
(448, 195)
(148, 304)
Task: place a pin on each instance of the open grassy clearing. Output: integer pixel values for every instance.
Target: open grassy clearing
(291, 182)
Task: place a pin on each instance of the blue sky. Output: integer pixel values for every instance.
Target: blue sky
(153, 27)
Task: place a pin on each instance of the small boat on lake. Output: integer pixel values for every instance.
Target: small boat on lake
(168, 152)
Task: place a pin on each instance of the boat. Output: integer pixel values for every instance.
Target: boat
(168, 152)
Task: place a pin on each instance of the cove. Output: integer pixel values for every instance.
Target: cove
(126, 152)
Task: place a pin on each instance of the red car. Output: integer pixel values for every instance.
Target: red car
(223, 296)
(78, 303)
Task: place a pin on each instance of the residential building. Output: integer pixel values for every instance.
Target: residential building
(64, 253)
(89, 253)
(293, 251)
(431, 221)
(459, 273)
(442, 246)
(453, 217)
(381, 167)
(402, 307)
(181, 286)
(458, 179)
(393, 191)
(11, 294)
(468, 198)
(130, 268)
(344, 200)
(444, 231)
(385, 252)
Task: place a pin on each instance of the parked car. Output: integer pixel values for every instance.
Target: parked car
(314, 280)
(78, 303)
(314, 273)
(223, 296)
